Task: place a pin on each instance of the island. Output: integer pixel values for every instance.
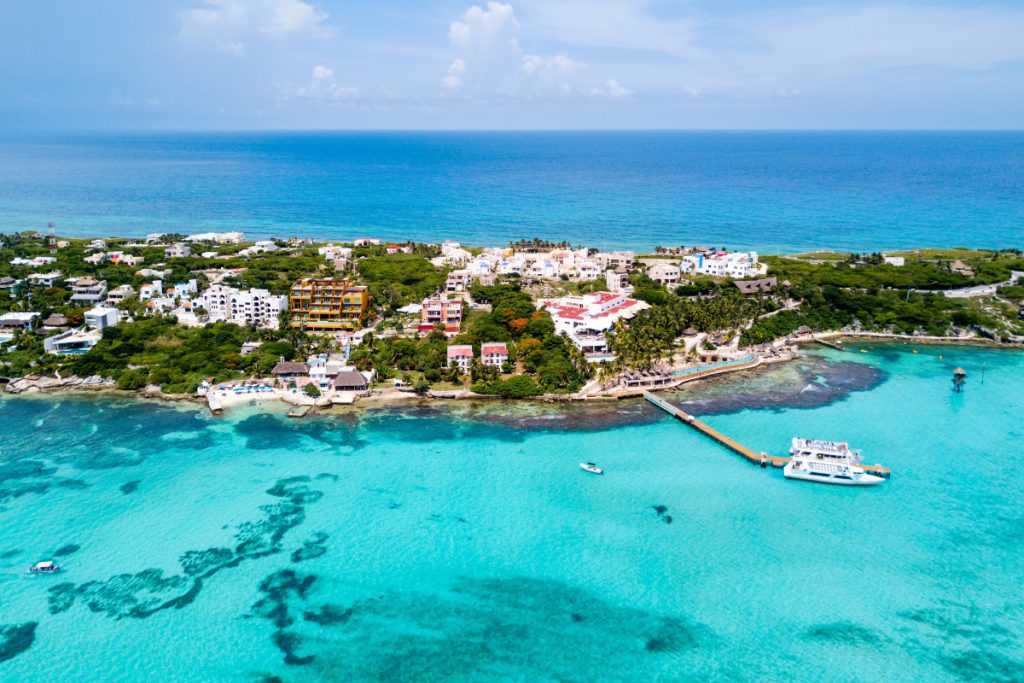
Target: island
(226, 320)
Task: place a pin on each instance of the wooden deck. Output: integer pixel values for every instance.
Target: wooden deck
(837, 345)
(735, 446)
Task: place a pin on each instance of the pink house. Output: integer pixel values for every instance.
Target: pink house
(494, 354)
(460, 355)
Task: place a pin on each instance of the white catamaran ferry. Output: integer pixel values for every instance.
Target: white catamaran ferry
(828, 462)
(832, 451)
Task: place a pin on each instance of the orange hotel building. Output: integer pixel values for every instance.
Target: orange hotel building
(328, 305)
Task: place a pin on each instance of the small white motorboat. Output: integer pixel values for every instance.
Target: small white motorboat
(46, 567)
(591, 467)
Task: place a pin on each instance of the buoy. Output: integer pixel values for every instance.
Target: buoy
(940, 356)
(914, 350)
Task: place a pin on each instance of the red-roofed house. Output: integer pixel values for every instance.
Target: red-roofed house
(462, 356)
(393, 248)
(494, 354)
(585, 318)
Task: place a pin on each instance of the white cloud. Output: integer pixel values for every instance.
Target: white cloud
(453, 80)
(625, 24)
(557, 66)
(233, 47)
(291, 15)
(228, 25)
(482, 28)
(322, 86)
(490, 61)
(612, 88)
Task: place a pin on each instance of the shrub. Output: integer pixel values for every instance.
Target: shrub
(131, 380)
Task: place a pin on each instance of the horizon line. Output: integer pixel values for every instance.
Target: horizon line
(16, 131)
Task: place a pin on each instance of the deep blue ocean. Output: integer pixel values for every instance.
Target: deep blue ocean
(775, 191)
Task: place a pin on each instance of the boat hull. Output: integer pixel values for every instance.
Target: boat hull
(857, 479)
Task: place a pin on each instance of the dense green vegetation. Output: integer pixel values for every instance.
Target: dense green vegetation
(869, 272)
(651, 336)
(400, 279)
(157, 351)
(552, 363)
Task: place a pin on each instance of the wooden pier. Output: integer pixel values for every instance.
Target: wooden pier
(837, 344)
(735, 446)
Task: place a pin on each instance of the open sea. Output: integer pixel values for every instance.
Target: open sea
(463, 543)
(773, 191)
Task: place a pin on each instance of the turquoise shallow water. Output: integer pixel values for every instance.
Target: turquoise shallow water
(464, 546)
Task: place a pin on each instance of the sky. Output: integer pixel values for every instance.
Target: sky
(525, 64)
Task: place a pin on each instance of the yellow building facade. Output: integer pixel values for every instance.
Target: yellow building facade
(328, 305)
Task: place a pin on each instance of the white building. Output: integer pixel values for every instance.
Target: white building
(458, 281)
(119, 294)
(253, 307)
(586, 318)
(736, 265)
(72, 341)
(218, 237)
(151, 290)
(259, 248)
(615, 259)
(494, 354)
(102, 317)
(332, 252)
(44, 279)
(666, 274)
(617, 281)
(178, 250)
(894, 260)
(87, 290)
(588, 269)
(452, 254)
(34, 262)
(18, 319)
(185, 290)
(461, 355)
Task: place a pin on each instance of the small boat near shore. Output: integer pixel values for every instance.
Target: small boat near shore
(591, 467)
(45, 567)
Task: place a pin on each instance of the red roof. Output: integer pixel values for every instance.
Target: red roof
(461, 351)
(574, 313)
(494, 347)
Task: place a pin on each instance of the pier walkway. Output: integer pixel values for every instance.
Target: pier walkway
(735, 446)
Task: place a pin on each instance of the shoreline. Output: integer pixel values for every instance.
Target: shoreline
(379, 399)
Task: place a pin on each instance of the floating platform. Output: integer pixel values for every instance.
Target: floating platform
(736, 447)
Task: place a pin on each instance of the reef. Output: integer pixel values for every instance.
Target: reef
(16, 638)
(142, 594)
(497, 628)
